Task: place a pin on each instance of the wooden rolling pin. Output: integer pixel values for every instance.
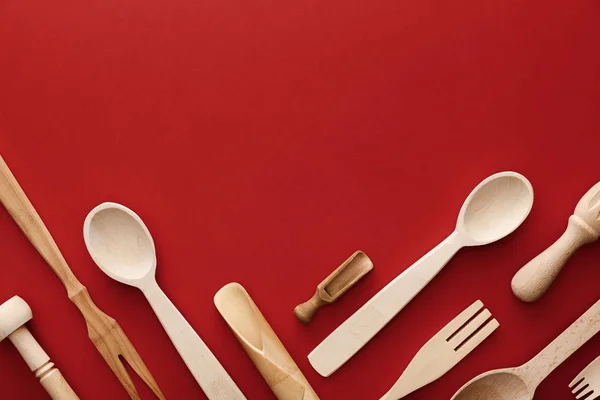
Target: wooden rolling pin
(534, 279)
(14, 314)
(262, 344)
(335, 285)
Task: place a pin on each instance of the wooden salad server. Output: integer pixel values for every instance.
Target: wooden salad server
(535, 278)
(521, 382)
(493, 210)
(446, 349)
(262, 344)
(104, 331)
(335, 285)
(14, 314)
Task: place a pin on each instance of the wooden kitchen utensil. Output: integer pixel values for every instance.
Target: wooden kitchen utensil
(587, 383)
(494, 209)
(443, 351)
(14, 314)
(534, 279)
(520, 383)
(335, 285)
(262, 344)
(122, 247)
(104, 332)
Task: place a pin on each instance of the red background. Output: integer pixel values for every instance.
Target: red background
(264, 142)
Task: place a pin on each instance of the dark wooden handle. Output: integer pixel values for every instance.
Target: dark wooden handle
(305, 311)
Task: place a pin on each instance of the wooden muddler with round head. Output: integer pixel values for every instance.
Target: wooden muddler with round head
(14, 314)
(534, 279)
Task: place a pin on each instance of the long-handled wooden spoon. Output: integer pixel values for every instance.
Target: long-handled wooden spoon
(520, 383)
(494, 209)
(122, 247)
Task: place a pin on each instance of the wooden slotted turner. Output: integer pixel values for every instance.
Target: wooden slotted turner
(105, 332)
(443, 351)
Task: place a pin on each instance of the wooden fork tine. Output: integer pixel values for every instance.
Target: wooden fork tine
(586, 391)
(132, 357)
(468, 329)
(584, 394)
(477, 338)
(113, 344)
(105, 346)
(578, 378)
(461, 319)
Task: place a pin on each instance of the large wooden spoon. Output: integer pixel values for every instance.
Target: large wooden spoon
(520, 383)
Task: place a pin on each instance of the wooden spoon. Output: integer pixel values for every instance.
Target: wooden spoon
(520, 383)
(494, 209)
(122, 247)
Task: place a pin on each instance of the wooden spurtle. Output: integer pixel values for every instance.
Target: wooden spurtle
(335, 285)
(262, 344)
(104, 332)
(535, 278)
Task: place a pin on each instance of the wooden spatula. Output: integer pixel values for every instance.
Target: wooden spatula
(443, 351)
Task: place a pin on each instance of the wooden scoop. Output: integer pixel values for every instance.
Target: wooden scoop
(262, 344)
(535, 278)
(335, 285)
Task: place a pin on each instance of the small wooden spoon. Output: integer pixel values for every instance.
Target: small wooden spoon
(335, 285)
(520, 383)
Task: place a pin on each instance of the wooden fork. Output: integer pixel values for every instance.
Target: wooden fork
(587, 383)
(443, 351)
(105, 332)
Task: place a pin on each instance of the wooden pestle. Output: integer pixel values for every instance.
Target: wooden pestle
(13, 315)
(534, 279)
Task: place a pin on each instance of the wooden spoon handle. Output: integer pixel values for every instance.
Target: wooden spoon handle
(535, 278)
(563, 346)
(202, 363)
(358, 329)
(24, 214)
(305, 311)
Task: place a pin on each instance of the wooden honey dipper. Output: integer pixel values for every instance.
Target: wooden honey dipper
(534, 279)
(14, 314)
